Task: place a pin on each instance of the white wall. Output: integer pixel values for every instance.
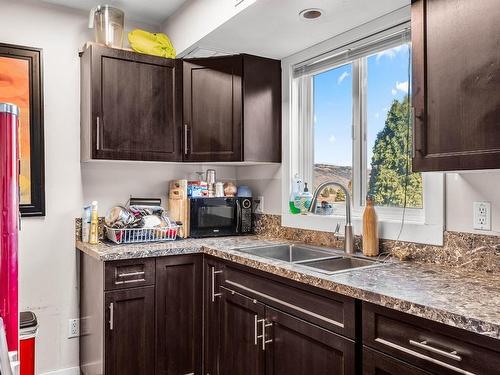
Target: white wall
(112, 183)
(462, 189)
(48, 266)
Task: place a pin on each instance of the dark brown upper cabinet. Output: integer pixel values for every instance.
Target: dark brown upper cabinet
(456, 84)
(131, 106)
(232, 109)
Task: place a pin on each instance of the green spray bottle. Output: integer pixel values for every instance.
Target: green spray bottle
(296, 182)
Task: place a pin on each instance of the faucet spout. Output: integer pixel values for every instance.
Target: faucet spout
(349, 237)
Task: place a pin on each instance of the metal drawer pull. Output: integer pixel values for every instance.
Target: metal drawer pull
(295, 307)
(424, 345)
(129, 281)
(214, 272)
(131, 274)
(423, 356)
(111, 316)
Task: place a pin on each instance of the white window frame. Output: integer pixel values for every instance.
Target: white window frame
(420, 225)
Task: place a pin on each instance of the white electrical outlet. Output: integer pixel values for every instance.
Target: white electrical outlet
(259, 204)
(73, 328)
(482, 215)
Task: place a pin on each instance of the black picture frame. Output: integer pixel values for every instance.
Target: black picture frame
(37, 159)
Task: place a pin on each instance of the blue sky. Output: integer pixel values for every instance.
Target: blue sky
(387, 80)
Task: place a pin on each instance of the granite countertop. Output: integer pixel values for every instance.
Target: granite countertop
(465, 299)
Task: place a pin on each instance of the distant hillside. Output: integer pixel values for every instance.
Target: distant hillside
(328, 172)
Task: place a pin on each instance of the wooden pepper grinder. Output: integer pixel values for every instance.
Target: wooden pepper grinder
(370, 230)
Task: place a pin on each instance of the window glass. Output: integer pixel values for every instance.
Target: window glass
(332, 113)
(388, 131)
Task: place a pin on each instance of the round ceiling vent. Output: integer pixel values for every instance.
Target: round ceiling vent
(311, 13)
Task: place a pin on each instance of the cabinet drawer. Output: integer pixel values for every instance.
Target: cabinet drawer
(375, 363)
(129, 273)
(432, 346)
(328, 310)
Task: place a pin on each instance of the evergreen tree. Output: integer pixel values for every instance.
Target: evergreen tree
(390, 160)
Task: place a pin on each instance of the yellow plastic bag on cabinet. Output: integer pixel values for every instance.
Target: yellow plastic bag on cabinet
(157, 44)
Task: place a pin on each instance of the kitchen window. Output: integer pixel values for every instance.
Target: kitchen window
(351, 122)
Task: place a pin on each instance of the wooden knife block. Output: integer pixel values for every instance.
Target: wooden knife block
(178, 209)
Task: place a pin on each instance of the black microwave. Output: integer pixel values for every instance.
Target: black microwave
(228, 216)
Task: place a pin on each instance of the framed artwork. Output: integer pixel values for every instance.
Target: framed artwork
(21, 84)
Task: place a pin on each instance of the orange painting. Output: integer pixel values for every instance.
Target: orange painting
(15, 88)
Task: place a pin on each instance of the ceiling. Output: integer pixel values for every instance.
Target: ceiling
(147, 11)
(273, 28)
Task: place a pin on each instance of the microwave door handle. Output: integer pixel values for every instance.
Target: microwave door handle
(238, 215)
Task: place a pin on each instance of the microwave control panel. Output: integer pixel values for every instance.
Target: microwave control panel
(246, 216)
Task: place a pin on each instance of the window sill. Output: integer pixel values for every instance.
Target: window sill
(413, 231)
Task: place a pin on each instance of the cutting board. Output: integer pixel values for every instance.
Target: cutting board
(178, 209)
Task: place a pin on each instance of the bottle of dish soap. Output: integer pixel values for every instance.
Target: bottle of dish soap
(305, 200)
(294, 195)
(94, 225)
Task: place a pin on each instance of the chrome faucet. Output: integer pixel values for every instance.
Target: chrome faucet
(348, 236)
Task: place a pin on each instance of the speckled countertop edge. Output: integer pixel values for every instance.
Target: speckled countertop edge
(463, 299)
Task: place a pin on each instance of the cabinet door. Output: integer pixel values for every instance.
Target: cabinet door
(129, 331)
(375, 363)
(296, 347)
(137, 104)
(212, 302)
(179, 286)
(456, 84)
(261, 109)
(241, 349)
(213, 109)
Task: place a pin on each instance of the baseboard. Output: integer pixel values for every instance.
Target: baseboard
(64, 371)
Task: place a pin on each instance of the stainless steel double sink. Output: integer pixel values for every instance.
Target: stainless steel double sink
(316, 258)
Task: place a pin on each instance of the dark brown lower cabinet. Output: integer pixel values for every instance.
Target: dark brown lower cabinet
(257, 339)
(179, 310)
(296, 347)
(241, 350)
(130, 331)
(375, 363)
(198, 315)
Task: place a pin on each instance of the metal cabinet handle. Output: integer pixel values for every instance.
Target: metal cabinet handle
(424, 345)
(131, 274)
(214, 272)
(255, 328)
(186, 142)
(129, 281)
(264, 324)
(98, 135)
(111, 315)
(423, 356)
(413, 143)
